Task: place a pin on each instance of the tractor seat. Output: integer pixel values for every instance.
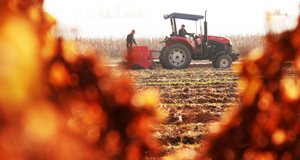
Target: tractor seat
(193, 43)
(198, 44)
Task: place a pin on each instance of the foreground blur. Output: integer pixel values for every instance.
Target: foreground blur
(58, 104)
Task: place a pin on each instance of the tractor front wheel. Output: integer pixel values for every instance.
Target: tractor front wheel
(175, 56)
(223, 61)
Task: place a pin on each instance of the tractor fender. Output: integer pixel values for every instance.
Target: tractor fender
(182, 41)
(217, 55)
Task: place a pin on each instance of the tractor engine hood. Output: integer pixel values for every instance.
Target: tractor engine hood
(218, 39)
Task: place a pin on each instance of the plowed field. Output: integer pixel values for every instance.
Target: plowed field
(194, 97)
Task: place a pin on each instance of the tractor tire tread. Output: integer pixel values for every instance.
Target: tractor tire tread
(165, 54)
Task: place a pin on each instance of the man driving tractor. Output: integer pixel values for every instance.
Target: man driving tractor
(183, 32)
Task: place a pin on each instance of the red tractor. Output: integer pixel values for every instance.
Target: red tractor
(179, 51)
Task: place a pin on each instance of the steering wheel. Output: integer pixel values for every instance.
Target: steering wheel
(192, 35)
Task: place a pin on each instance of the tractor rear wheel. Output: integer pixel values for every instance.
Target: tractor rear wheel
(223, 61)
(175, 56)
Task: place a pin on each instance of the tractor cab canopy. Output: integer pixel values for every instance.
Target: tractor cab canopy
(174, 16)
(184, 16)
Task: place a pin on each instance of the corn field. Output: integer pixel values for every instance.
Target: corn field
(114, 48)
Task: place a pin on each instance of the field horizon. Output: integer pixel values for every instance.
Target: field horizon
(115, 48)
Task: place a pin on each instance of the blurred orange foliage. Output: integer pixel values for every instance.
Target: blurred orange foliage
(58, 104)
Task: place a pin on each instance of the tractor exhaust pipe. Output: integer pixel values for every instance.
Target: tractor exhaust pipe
(205, 30)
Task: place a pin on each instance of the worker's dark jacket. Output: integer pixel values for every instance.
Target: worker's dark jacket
(130, 40)
(182, 33)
